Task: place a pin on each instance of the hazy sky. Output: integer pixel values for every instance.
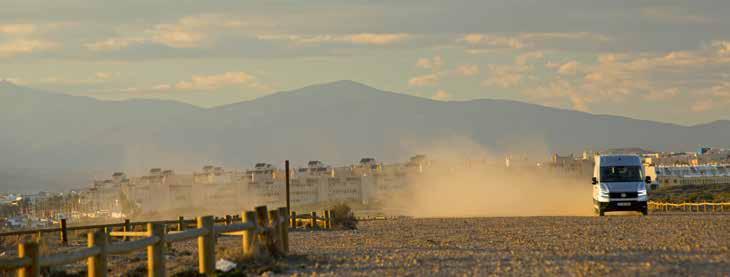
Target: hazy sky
(660, 60)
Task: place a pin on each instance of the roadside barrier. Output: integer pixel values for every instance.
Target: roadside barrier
(263, 233)
(704, 207)
(312, 220)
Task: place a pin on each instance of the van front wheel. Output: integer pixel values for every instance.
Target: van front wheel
(644, 211)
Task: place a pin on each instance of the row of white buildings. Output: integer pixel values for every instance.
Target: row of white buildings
(218, 189)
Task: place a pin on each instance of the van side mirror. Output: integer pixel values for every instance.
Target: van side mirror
(648, 179)
(653, 186)
(594, 180)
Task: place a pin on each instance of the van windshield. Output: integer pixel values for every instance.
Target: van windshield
(621, 174)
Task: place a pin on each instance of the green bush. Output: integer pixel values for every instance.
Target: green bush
(343, 216)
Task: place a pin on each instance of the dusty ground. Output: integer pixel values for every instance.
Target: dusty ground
(684, 244)
(623, 245)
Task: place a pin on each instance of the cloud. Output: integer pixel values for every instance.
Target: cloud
(425, 80)
(702, 105)
(569, 68)
(506, 76)
(661, 95)
(556, 91)
(722, 47)
(112, 44)
(198, 83)
(24, 46)
(525, 58)
(495, 41)
(178, 38)
(379, 39)
(694, 75)
(103, 75)
(441, 95)
(486, 43)
(714, 98)
(17, 29)
(187, 32)
(434, 63)
(96, 78)
(211, 82)
(467, 70)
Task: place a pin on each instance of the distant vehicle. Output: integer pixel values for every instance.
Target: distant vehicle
(619, 184)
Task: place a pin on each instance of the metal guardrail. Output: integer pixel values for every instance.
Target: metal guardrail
(704, 207)
(264, 233)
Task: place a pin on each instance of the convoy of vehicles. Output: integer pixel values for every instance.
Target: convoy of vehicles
(619, 184)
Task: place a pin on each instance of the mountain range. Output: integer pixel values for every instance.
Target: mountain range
(47, 136)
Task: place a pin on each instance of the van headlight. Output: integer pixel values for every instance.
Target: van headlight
(604, 191)
(642, 190)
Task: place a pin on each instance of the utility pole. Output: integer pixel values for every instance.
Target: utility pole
(288, 203)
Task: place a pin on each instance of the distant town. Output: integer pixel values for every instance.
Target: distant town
(363, 185)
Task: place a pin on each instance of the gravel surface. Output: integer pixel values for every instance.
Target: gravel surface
(681, 244)
(622, 245)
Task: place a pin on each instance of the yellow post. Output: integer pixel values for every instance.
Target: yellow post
(206, 246)
(156, 252)
(64, 232)
(180, 223)
(127, 228)
(249, 237)
(326, 219)
(314, 220)
(332, 217)
(278, 245)
(283, 213)
(262, 218)
(29, 250)
(96, 265)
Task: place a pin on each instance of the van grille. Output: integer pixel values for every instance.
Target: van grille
(623, 194)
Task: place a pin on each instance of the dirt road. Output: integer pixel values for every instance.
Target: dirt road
(683, 244)
(623, 245)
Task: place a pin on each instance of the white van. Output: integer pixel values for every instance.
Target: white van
(619, 184)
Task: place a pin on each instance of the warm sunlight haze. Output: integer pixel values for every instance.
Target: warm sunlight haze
(365, 138)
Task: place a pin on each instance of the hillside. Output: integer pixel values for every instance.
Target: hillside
(336, 122)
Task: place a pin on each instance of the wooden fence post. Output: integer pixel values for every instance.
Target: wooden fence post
(156, 252)
(180, 223)
(293, 220)
(314, 220)
(332, 217)
(206, 246)
(249, 236)
(327, 219)
(262, 218)
(30, 250)
(276, 236)
(127, 228)
(96, 265)
(283, 213)
(64, 232)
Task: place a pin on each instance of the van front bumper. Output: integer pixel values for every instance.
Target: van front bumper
(622, 205)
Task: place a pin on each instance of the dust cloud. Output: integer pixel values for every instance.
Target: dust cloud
(465, 180)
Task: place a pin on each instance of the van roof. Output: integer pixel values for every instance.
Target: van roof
(618, 160)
